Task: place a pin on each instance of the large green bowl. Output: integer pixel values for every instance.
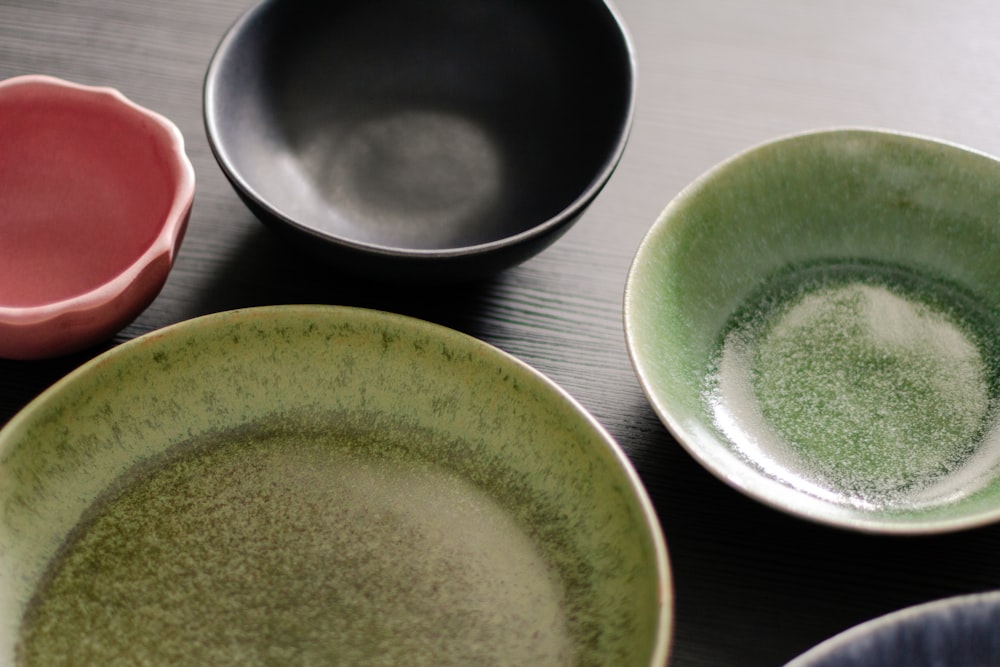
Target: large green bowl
(321, 485)
(816, 321)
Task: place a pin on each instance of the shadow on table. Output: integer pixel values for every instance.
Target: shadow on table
(261, 269)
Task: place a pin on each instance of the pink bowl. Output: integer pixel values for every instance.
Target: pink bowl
(95, 195)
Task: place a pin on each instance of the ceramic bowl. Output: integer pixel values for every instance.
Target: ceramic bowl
(435, 140)
(815, 320)
(96, 196)
(954, 632)
(290, 484)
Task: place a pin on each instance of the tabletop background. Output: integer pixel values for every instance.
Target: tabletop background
(753, 586)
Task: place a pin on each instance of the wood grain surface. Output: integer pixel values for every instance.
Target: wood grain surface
(753, 587)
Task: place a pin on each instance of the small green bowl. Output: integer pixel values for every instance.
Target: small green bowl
(315, 484)
(817, 321)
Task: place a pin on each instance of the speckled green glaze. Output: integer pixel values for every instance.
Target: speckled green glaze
(314, 484)
(836, 369)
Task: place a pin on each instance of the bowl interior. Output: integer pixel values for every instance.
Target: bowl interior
(88, 184)
(815, 320)
(420, 125)
(315, 480)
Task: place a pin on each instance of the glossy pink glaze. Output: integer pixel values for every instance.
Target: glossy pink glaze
(95, 195)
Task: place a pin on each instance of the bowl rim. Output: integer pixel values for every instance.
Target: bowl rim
(310, 313)
(770, 492)
(874, 627)
(171, 228)
(567, 214)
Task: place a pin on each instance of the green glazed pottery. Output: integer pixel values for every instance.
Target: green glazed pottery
(816, 321)
(321, 485)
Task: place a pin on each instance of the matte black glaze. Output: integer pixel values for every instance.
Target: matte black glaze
(441, 140)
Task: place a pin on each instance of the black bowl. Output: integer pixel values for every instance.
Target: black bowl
(437, 139)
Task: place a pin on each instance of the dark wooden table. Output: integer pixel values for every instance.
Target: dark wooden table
(753, 587)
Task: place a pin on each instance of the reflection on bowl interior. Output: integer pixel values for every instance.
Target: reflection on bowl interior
(388, 170)
(875, 380)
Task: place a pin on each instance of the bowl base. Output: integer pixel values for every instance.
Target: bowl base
(324, 546)
(871, 384)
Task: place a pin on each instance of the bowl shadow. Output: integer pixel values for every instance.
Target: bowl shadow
(261, 269)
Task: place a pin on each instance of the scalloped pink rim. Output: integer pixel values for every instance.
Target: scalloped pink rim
(163, 245)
